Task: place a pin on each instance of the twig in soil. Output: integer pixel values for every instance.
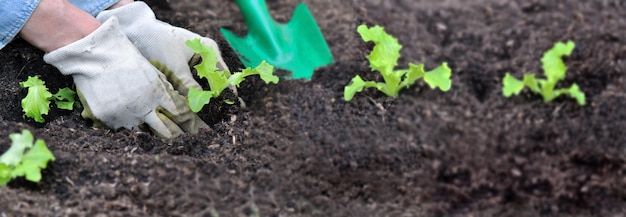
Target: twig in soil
(24, 67)
(380, 107)
(69, 181)
(556, 111)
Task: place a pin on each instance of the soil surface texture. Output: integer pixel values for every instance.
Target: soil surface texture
(299, 149)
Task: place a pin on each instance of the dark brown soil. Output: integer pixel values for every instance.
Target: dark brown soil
(300, 150)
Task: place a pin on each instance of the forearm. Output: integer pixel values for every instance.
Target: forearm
(56, 23)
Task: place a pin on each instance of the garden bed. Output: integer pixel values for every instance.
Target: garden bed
(299, 149)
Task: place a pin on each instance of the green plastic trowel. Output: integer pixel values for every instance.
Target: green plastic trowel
(297, 46)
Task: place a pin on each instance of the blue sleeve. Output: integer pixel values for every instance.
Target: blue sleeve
(94, 7)
(14, 14)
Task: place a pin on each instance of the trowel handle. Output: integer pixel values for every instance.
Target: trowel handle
(256, 14)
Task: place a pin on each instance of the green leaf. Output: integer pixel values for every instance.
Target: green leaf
(439, 77)
(209, 56)
(576, 93)
(36, 103)
(511, 86)
(392, 86)
(37, 100)
(34, 161)
(65, 98)
(553, 65)
(24, 158)
(198, 98)
(384, 57)
(238, 77)
(266, 72)
(32, 173)
(65, 94)
(39, 155)
(355, 86)
(64, 105)
(20, 142)
(531, 82)
(547, 90)
(220, 80)
(414, 73)
(554, 69)
(5, 174)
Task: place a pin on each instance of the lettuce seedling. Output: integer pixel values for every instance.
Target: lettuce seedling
(24, 158)
(554, 69)
(37, 100)
(220, 80)
(384, 58)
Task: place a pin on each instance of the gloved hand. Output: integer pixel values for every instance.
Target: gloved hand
(161, 43)
(119, 87)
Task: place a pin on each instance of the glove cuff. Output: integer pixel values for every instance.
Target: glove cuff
(136, 14)
(95, 53)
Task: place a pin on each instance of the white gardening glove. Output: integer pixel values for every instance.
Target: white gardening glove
(119, 87)
(160, 42)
